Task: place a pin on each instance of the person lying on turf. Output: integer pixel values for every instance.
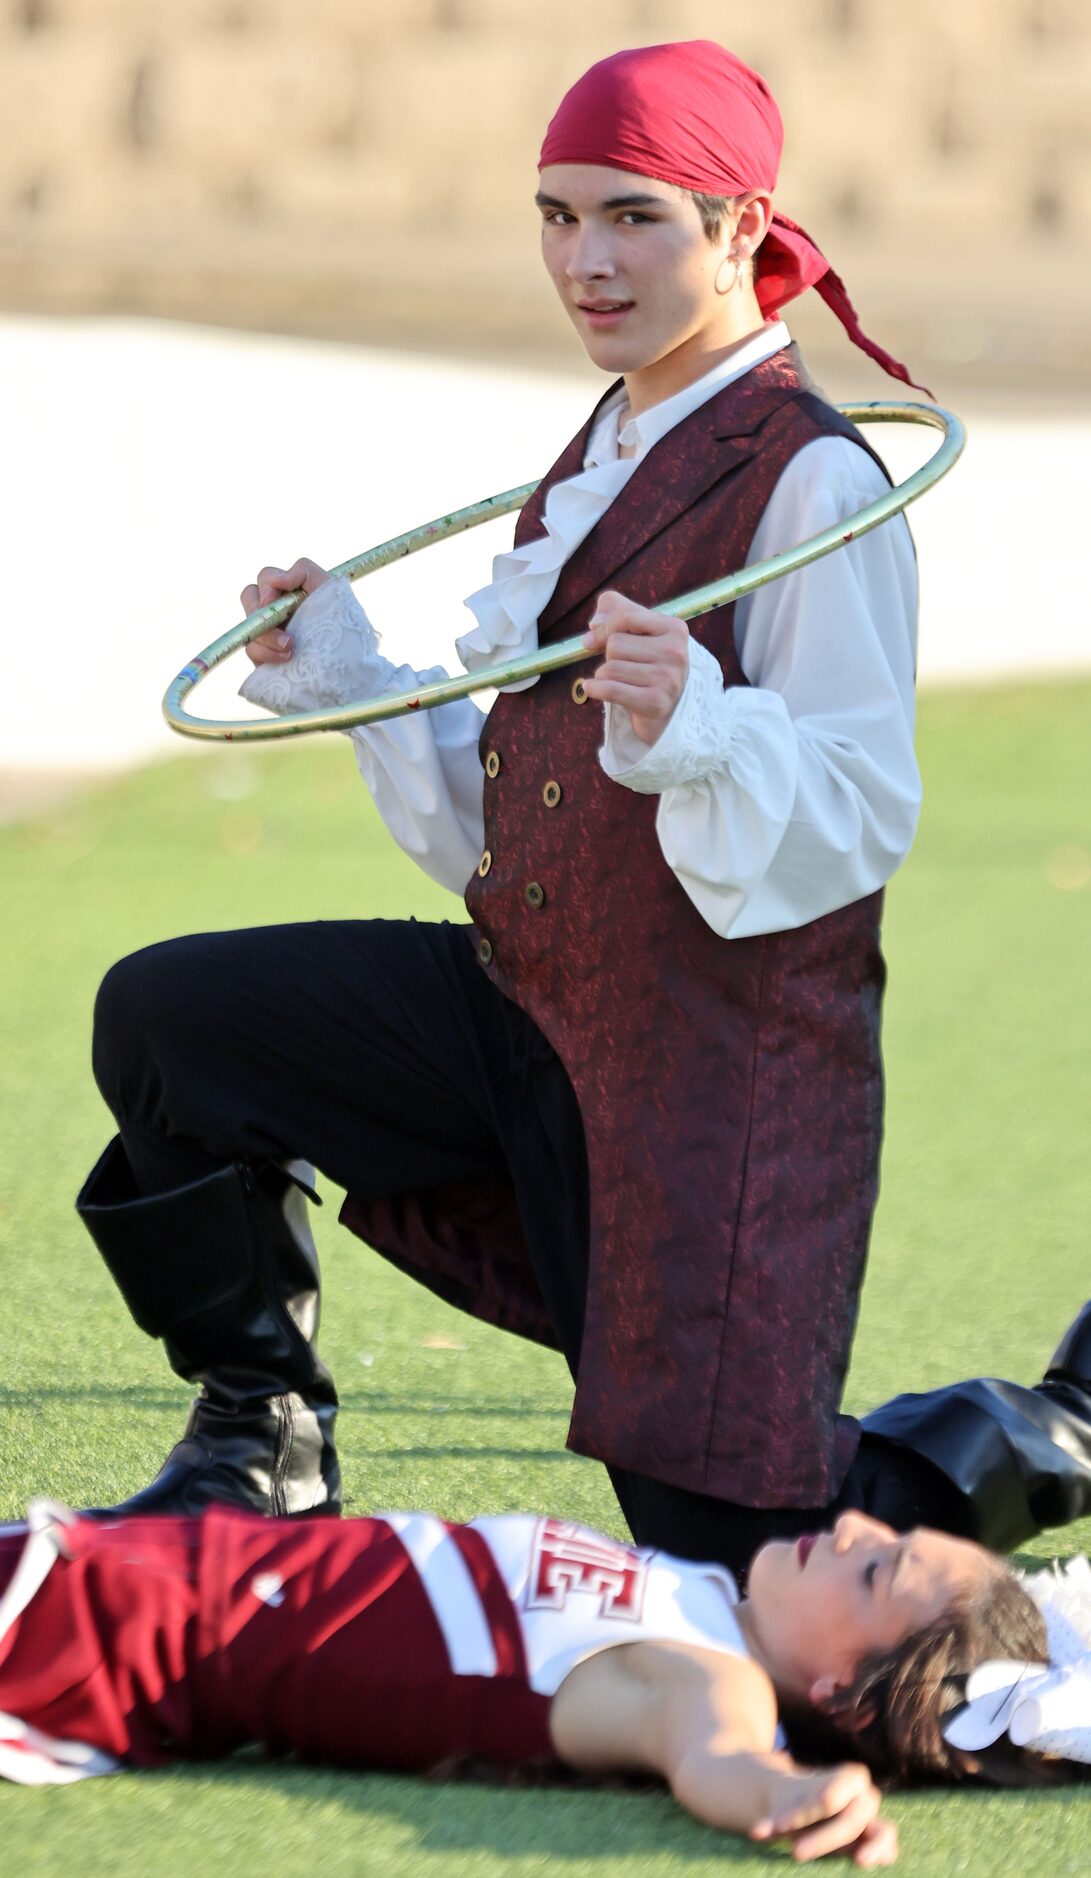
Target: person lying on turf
(400, 1642)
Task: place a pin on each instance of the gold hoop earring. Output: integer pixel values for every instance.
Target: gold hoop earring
(736, 265)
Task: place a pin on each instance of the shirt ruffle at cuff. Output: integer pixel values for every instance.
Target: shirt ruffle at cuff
(695, 745)
(335, 657)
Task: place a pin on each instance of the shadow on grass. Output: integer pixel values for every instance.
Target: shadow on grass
(141, 1398)
(479, 1454)
(571, 1819)
(550, 1815)
(382, 1403)
(137, 1395)
(90, 1394)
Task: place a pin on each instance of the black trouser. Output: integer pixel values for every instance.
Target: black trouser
(380, 1052)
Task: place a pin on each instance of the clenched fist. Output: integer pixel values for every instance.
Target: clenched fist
(275, 646)
(646, 662)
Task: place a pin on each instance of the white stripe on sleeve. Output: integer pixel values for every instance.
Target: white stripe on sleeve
(451, 1591)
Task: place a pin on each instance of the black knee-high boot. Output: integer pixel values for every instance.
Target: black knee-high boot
(1018, 1459)
(225, 1271)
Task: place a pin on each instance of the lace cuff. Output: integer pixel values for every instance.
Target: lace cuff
(695, 744)
(335, 656)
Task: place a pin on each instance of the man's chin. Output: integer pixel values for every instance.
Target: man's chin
(613, 354)
(623, 353)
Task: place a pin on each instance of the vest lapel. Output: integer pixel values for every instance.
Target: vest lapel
(569, 463)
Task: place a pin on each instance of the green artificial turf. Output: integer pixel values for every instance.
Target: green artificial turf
(979, 1259)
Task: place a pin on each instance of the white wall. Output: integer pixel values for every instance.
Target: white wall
(148, 470)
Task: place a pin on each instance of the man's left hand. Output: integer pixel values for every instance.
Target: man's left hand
(645, 665)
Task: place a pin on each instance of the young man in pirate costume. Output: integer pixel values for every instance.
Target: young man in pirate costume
(634, 1110)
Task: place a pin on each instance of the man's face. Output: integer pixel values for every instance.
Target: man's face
(632, 264)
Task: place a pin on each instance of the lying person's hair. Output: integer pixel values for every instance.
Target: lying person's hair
(893, 1714)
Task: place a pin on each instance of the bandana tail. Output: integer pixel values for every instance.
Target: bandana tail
(831, 288)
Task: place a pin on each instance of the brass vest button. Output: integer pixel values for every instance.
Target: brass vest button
(579, 691)
(534, 895)
(492, 763)
(484, 952)
(551, 794)
(485, 863)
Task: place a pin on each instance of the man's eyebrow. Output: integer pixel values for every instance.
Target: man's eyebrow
(611, 202)
(631, 202)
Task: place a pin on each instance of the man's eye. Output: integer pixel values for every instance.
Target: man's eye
(870, 1573)
(634, 215)
(558, 217)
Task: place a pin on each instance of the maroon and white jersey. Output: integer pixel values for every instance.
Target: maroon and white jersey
(394, 1641)
(573, 1592)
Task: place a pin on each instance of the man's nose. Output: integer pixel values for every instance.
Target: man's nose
(589, 259)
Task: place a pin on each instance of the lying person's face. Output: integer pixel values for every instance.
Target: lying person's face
(819, 1604)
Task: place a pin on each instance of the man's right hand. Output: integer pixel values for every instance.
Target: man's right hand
(275, 647)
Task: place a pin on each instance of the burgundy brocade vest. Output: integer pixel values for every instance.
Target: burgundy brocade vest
(731, 1090)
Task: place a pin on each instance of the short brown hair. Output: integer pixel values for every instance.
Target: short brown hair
(713, 211)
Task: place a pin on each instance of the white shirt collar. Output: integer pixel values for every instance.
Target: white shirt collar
(645, 430)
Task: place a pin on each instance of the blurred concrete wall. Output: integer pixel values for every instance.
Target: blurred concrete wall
(364, 168)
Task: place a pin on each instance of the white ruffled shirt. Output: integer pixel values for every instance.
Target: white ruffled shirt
(779, 801)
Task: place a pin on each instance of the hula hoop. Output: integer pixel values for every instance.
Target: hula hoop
(565, 652)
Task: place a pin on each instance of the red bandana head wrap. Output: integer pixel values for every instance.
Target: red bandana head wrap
(694, 115)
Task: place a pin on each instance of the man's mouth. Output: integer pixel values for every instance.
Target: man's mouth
(603, 314)
(805, 1546)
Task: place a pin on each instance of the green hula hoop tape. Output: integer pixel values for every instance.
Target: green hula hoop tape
(567, 651)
